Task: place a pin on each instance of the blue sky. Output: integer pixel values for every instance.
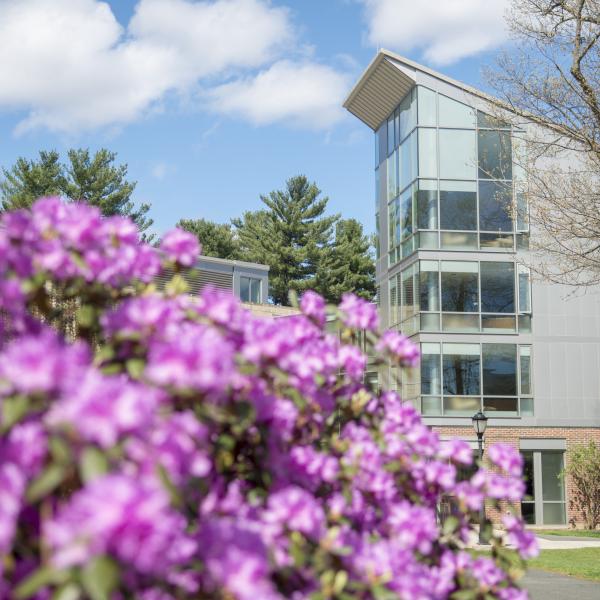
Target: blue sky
(212, 104)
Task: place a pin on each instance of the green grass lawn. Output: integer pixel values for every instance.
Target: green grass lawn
(580, 562)
(592, 533)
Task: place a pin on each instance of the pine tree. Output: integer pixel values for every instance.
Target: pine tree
(347, 265)
(217, 239)
(28, 180)
(289, 236)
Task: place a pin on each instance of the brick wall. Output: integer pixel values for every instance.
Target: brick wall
(574, 436)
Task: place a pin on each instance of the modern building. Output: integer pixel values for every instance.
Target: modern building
(451, 276)
(247, 281)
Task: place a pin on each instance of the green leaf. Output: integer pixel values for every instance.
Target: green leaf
(51, 477)
(382, 593)
(40, 578)
(135, 367)
(92, 464)
(177, 286)
(86, 315)
(100, 577)
(174, 493)
(69, 591)
(13, 410)
(60, 450)
(464, 595)
(340, 581)
(451, 524)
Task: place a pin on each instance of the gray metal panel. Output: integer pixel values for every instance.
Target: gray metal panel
(542, 444)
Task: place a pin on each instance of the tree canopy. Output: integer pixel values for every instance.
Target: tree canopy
(217, 239)
(93, 179)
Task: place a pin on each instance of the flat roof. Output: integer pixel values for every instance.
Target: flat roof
(231, 263)
(385, 82)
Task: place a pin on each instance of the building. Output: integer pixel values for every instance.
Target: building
(449, 276)
(247, 281)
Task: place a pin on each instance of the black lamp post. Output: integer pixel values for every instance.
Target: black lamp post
(479, 425)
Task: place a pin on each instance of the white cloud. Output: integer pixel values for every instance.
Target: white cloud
(160, 170)
(300, 94)
(69, 64)
(445, 30)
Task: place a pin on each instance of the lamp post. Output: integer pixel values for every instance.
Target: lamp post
(479, 425)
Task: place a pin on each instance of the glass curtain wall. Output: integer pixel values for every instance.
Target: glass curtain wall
(458, 379)
(449, 178)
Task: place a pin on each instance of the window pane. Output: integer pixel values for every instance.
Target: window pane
(457, 322)
(390, 135)
(255, 291)
(397, 126)
(457, 154)
(501, 407)
(382, 142)
(528, 476)
(495, 206)
(428, 289)
(430, 322)
(525, 358)
(552, 484)
(496, 241)
(524, 290)
(458, 205)
(495, 155)
(528, 512)
(554, 513)
(522, 211)
(431, 406)
(250, 289)
(467, 241)
(408, 161)
(427, 152)
(497, 287)
(244, 289)
(408, 291)
(498, 324)
(392, 175)
(461, 406)
(431, 376)
(525, 323)
(428, 239)
(459, 287)
(407, 115)
(427, 108)
(393, 301)
(406, 214)
(527, 407)
(461, 369)
(427, 205)
(499, 369)
(490, 122)
(455, 114)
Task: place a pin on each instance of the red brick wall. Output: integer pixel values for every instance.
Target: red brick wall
(573, 436)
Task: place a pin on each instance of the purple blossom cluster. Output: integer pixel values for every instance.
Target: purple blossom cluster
(195, 450)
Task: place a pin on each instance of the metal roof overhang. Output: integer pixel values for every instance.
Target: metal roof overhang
(378, 92)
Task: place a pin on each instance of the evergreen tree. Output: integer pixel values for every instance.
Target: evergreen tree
(347, 265)
(289, 236)
(28, 180)
(93, 180)
(217, 239)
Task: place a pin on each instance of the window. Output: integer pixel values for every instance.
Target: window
(406, 214)
(458, 159)
(250, 290)
(392, 175)
(393, 301)
(460, 287)
(427, 107)
(522, 210)
(455, 114)
(427, 152)
(428, 285)
(381, 143)
(407, 115)
(408, 160)
(524, 289)
(458, 205)
(391, 142)
(495, 155)
(490, 122)
(461, 370)
(497, 287)
(525, 366)
(427, 204)
(499, 362)
(495, 199)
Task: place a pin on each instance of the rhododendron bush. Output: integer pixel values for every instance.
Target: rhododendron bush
(180, 447)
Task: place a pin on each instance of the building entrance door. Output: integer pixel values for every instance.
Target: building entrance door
(544, 501)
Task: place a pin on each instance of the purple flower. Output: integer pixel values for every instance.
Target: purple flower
(413, 527)
(181, 247)
(352, 361)
(312, 466)
(125, 517)
(102, 409)
(12, 487)
(457, 451)
(507, 458)
(297, 510)
(198, 357)
(313, 306)
(486, 572)
(358, 313)
(524, 541)
(400, 347)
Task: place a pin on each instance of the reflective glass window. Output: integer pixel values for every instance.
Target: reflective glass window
(431, 406)
(495, 155)
(498, 407)
(408, 293)
(458, 159)
(390, 135)
(382, 142)
(495, 200)
(429, 285)
(406, 213)
(496, 241)
(460, 286)
(522, 210)
(458, 205)
(392, 175)
(427, 107)
(525, 366)
(408, 159)
(552, 483)
(458, 322)
(393, 301)
(524, 289)
(460, 369)
(499, 362)
(458, 240)
(455, 114)
(497, 287)
(407, 115)
(490, 122)
(426, 208)
(431, 374)
(250, 290)
(460, 405)
(427, 152)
